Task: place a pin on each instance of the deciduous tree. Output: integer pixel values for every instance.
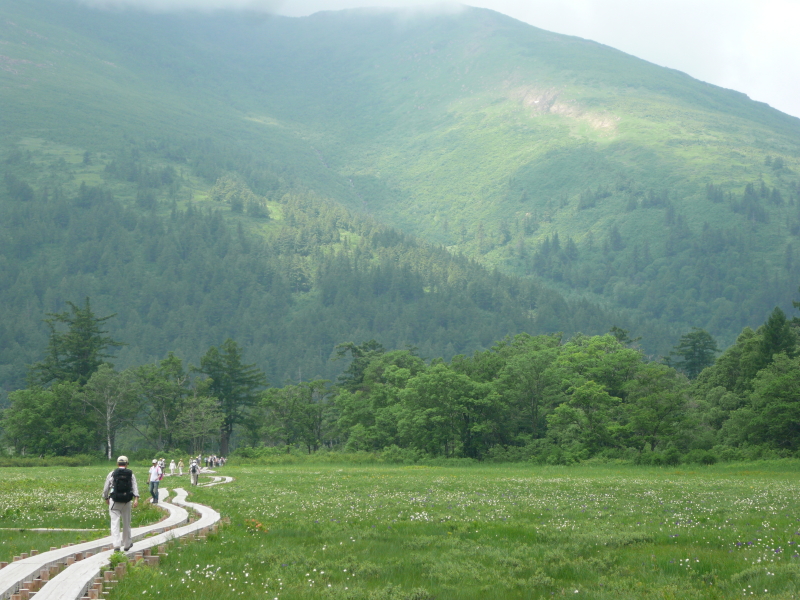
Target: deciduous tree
(50, 421)
(198, 422)
(113, 399)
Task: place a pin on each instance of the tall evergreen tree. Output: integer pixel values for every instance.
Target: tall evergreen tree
(776, 337)
(163, 389)
(234, 384)
(75, 354)
(696, 350)
(353, 376)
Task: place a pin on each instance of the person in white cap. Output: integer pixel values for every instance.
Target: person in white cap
(155, 476)
(172, 467)
(118, 492)
(194, 471)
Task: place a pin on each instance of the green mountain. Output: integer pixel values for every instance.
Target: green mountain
(567, 165)
(289, 279)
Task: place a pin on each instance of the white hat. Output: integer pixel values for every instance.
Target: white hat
(155, 461)
(122, 460)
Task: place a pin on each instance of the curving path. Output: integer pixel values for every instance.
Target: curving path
(216, 481)
(85, 561)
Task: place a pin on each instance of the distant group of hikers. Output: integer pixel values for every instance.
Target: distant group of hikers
(121, 492)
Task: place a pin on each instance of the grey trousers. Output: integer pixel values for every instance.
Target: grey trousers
(194, 476)
(120, 511)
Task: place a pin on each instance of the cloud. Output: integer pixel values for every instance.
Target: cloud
(299, 8)
(748, 45)
(290, 8)
(165, 6)
(769, 65)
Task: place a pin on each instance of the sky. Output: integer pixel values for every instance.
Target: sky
(752, 46)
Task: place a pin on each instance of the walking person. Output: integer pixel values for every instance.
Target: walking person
(180, 466)
(194, 472)
(172, 467)
(118, 492)
(155, 476)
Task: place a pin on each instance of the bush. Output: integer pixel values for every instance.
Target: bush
(655, 459)
(404, 456)
(448, 462)
(277, 455)
(248, 452)
(764, 453)
(672, 457)
(79, 460)
(116, 559)
(728, 453)
(509, 454)
(701, 457)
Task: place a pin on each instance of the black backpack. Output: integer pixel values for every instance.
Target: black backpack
(121, 485)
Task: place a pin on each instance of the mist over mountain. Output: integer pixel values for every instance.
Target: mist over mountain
(593, 188)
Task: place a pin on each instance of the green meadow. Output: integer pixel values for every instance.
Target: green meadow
(521, 531)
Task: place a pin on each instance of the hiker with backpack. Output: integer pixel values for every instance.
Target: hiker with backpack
(194, 472)
(118, 492)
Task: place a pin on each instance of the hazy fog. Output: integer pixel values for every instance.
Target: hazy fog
(748, 45)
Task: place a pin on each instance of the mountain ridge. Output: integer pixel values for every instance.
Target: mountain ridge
(548, 156)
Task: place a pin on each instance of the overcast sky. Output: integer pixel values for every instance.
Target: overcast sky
(752, 46)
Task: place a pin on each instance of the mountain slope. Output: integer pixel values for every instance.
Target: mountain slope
(288, 278)
(548, 156)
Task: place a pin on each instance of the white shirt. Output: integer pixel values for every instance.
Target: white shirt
(155, 473)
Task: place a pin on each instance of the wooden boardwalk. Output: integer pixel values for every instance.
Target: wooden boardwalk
(69, 573)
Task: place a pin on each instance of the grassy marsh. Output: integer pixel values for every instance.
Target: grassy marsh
(378, 532)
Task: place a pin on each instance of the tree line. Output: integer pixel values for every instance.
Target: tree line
(76, 401)
(528, 397)
(557, 400)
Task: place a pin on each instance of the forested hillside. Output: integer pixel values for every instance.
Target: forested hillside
(289, 278)
(438, 180)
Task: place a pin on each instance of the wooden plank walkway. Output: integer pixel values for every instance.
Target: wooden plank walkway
(36, 576)
(13, 576)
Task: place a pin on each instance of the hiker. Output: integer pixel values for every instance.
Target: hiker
(120, 488)
(155, 475)
(172, 467)
(194, 472)
(180, 466)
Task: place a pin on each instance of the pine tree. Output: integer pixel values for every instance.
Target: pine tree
(77, 353)
(696, 350)
(234, 384)
(776, 337)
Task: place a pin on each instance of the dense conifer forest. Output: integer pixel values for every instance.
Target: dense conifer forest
(288, 278)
